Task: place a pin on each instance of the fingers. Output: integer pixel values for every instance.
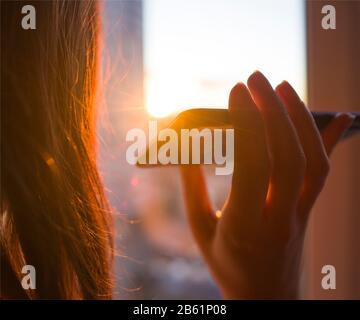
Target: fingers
(287, 157)
(200, 213)
(332, 134)
(252, 165)
(251, 160)
(317, 163)
(314, 150)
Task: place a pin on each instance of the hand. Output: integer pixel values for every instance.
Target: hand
(281, 162)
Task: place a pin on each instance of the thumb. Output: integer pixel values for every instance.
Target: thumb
(199, 210)
(333, 132)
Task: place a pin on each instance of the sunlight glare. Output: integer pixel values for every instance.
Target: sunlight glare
(193, 57)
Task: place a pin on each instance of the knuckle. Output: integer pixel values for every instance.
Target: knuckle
(324, 167)
(318, 173)
(320, 169)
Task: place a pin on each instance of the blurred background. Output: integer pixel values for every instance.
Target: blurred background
(161, 57)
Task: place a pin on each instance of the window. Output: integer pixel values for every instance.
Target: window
(160, 57)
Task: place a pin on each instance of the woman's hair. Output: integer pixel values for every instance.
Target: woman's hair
(54, 213)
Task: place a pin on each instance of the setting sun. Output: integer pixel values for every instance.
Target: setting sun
(162, 97)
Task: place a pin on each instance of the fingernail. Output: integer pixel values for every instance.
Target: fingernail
(257, 74)
(350, 119)
(257, 78)
(283, 87)
(347, 115)
(239, 87)
(351, 116)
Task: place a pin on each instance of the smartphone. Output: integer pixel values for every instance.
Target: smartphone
(211, 118)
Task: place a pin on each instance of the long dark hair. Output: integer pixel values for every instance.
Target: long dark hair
(54, 212)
